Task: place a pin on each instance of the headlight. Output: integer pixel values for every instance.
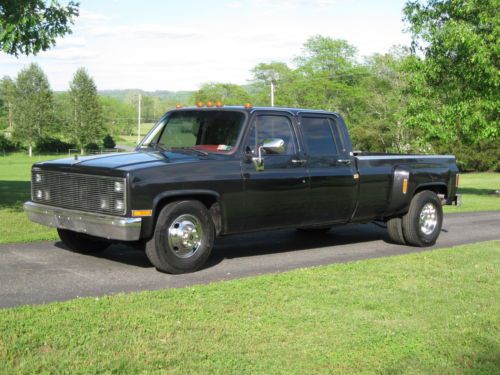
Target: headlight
(118, 186)
(104, 204)
(119, 205)
(47, 195)
(39, 194)
(38, 177)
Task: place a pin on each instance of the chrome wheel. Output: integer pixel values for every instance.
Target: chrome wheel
(428, 219)
(185, 236)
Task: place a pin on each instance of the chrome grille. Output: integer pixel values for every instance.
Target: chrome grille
(76, 191)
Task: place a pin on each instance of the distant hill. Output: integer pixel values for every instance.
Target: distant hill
(174, 96)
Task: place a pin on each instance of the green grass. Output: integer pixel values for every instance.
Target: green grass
(15, 189)
(477, 190)
(15, 171)
(433, 312)
(131, 140)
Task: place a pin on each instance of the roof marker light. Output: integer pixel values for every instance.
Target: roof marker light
(218, 104)
(248, 105)
(210, 104)
(199, 104)
(178, 106)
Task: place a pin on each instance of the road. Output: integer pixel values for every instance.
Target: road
(45, 271)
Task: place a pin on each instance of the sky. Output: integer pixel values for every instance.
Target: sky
(181, 44)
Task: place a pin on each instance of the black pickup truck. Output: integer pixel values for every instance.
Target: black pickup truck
(207, 172)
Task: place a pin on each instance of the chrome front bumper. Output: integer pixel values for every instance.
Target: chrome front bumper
(104, 226)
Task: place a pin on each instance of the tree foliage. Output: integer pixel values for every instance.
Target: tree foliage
(86, 123)
(227, 93)
(7, 97)
(30, 26)
(454, 77)
(33, 106)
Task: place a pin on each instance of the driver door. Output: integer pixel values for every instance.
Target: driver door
(278, 195)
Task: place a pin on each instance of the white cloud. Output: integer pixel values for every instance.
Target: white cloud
(180, 51)
(143, 31)
(88, 16)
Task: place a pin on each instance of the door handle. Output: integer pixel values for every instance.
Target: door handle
(299, 161)
(344, 161)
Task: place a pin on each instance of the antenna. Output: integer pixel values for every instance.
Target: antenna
(139, 120)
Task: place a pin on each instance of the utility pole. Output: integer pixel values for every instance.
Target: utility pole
(139, 121)
(272, 94)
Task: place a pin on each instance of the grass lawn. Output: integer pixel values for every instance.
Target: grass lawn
(15, 189)
(477, 189)
(131, 140)
(433, 312)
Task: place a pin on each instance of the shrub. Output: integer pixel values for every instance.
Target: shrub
(50, 144)
(7, 145)
(108, 142)
(92, 146)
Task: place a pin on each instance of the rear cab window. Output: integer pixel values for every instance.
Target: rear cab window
(322, 139)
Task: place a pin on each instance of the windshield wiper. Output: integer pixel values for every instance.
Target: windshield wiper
(159, 146)
(204, 153)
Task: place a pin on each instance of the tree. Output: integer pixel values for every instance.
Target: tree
(283, 79)
(454, 76)
(227, 93)
(86, 123)
(7, 96)
(33, 106)
(30, 26)
(378, 119)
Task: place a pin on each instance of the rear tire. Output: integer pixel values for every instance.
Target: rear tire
(183, 238)
(82, 243)
(422, 224)
(395, 230)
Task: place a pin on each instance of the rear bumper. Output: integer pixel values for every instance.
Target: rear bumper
(104, 226)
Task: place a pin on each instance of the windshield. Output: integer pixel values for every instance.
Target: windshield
(210, 131)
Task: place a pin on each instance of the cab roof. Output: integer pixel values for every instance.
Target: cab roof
(293, 111)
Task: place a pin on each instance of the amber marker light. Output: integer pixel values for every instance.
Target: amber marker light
(178, 106)
(248, 105)
(210, 104)
(142, 213)
(457, 181)
(405, 186)
(218, 104)
(199, 104)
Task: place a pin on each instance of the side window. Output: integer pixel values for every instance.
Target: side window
(319, 137)
(266, 127)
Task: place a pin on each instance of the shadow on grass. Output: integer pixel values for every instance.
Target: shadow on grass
(475, 191)
(482, 357)
(14, 193)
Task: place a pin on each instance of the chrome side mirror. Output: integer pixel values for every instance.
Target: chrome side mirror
(271, 146)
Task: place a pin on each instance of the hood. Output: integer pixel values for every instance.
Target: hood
(118, 162)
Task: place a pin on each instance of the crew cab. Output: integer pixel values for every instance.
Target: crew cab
(202, 173)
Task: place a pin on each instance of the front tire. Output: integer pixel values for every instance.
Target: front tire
(422, 224)
(82, 243)
(183, 238)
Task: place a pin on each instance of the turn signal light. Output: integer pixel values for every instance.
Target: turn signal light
(199, 104)
(142, 213)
